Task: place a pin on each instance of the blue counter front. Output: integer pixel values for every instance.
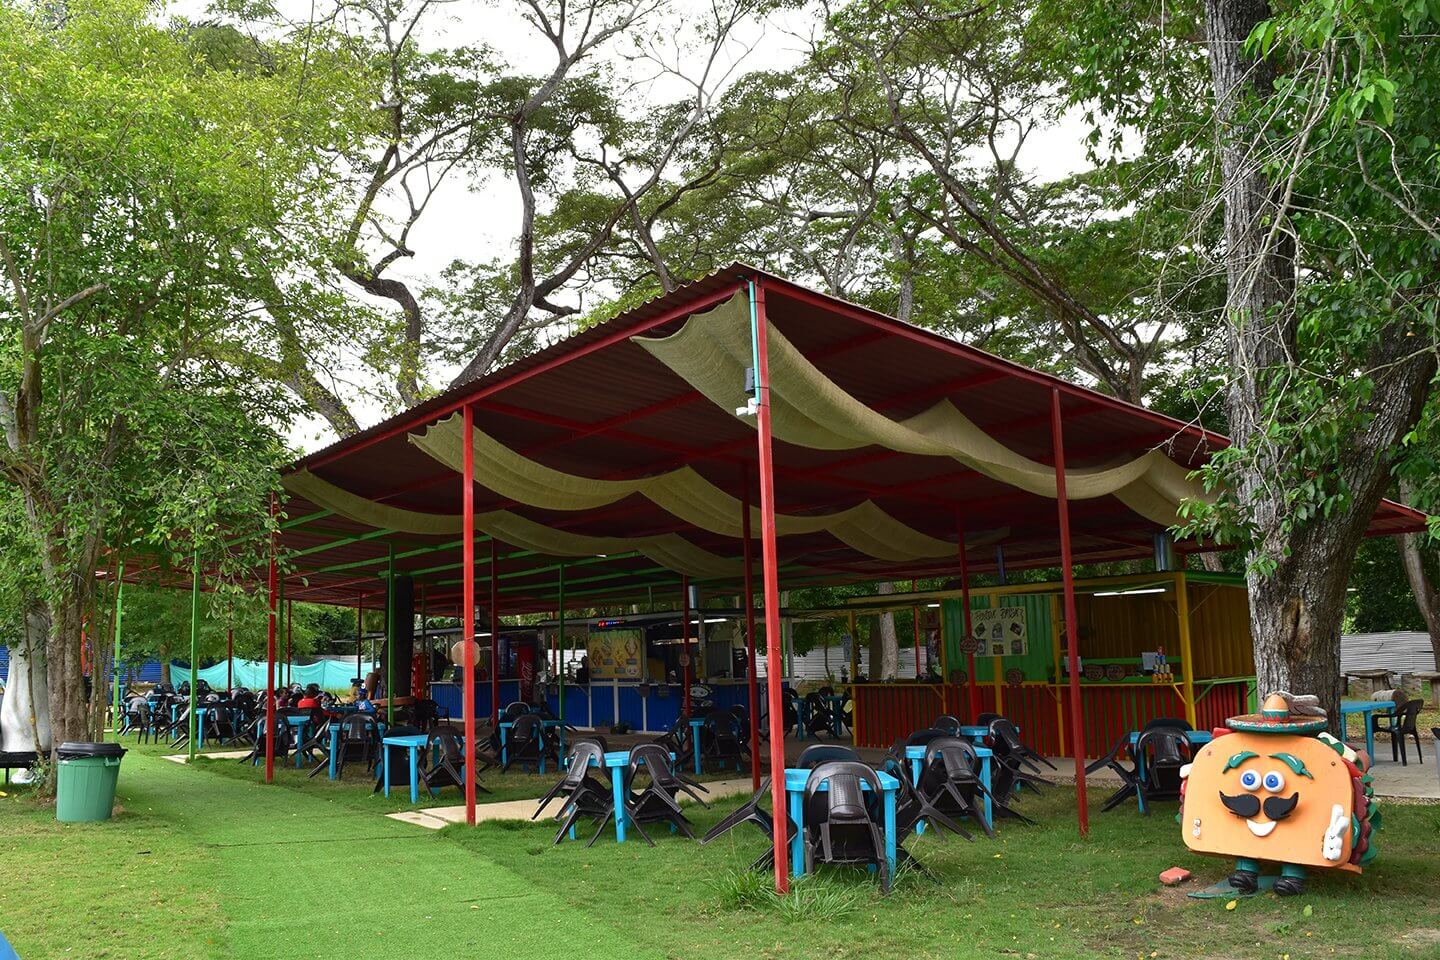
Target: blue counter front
(599, 704)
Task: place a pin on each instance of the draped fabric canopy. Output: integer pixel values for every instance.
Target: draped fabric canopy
(618, 452)
(713, 350)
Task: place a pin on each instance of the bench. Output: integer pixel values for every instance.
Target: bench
(17, 760)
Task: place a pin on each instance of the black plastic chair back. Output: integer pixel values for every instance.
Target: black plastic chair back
(1174, 722)
(947, 723)
(816, 754)
(513, 711)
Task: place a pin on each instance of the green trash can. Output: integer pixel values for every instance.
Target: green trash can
(85, 784)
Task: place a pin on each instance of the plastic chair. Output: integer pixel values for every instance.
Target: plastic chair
(842, 824)
(949, 724)
(950, 784)
(527, 741)
(818, 753)
(445, 748)
(1403, 724)
(754, 812)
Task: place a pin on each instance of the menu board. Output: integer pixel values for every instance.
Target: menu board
(615, 654)
(1000, 631)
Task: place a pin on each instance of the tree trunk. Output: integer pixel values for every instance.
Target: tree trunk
(1427, 598)
(1296, 608)
(69, 718)
(889, 642)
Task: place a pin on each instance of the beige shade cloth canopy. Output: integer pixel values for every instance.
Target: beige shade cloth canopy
(683, 493)
(712, 351)
(669, 550)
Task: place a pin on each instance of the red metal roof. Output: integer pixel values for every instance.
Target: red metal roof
(598, 405)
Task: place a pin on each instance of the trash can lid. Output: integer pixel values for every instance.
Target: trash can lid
(73, 750)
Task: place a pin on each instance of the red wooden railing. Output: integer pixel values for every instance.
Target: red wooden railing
(886, 712)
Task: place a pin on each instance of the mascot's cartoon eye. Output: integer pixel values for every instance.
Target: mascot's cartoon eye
(1273, 781)
(1250, 780)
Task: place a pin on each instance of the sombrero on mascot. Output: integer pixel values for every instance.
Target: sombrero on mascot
(1273, 787)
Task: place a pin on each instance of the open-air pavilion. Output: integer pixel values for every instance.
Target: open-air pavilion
(741, 435)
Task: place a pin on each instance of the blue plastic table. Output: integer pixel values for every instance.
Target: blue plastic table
(916, 756)
(795, 779)
(1196, 738)
(544, 724)
(414, 744)
(1367, 709)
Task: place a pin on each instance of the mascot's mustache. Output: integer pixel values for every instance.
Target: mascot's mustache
(1248, 805)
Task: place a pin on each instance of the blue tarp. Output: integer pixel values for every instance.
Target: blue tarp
(329, 674)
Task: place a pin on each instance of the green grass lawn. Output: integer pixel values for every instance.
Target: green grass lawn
(205, 862)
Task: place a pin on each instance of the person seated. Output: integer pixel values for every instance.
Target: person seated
(363, 702)
(307, 701)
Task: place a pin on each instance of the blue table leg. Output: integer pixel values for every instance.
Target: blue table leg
(414, 774)
(385, 762)
(334, 749)
(985, 779)
(1370, 734)
(890, 831)
(695, 748)
(797, 845)
(1140, 775)
(617, 789)
(504, 753)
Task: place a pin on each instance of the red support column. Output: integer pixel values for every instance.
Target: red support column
(1067, 573)
(685, 638)
(467, 632)
(494, 637)
(973, 686)
(770, 573)
(229, 659)
(270, 661)
(754, 681)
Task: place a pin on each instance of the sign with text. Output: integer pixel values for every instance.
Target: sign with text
(615, 654)
(1000, 631)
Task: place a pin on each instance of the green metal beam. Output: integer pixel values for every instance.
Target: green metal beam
(336, 544)
(301, 521)
(115, 661)
(194, 644)
(418, 552)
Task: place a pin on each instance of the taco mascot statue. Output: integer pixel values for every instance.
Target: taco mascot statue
(1273, 787)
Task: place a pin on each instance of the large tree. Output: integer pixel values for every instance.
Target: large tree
(149, 192)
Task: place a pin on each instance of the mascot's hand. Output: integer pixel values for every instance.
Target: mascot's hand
(1339, 823)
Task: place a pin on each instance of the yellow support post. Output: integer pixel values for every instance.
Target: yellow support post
(1187, 665)
(855, 687)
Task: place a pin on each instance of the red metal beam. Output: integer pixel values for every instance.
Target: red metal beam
(1072, 634)
(770, 573)
(467, 615)
(490, 385)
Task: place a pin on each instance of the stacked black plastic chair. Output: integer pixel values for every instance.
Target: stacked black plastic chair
(583, 795)
(527, 743)
(843, 824)
(659, 800)
(950, 782)
(676, 739)
(721, 738)
(818, 753)
(818, 718)
(359, 743)
(949, 724)
(910, 809)
(1153, 773)
(445, 748)
(753, 811)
